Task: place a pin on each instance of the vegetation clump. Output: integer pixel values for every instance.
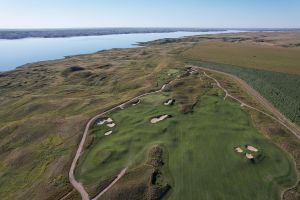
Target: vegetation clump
(72, 69)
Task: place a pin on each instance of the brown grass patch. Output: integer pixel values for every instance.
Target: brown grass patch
(256, 56)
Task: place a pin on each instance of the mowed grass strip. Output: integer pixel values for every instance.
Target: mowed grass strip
(202, 160)
(255, 56)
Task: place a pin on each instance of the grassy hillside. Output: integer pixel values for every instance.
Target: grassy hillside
(200, 145)
(44, 107)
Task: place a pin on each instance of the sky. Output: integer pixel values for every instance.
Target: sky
(150, 13)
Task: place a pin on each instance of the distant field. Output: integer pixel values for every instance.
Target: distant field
(271, 58)
(73, 32)
(272, 70)
(280, 89)
(200, 146)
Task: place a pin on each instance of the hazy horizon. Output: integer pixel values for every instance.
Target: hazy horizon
(56, 14)
(153, 27)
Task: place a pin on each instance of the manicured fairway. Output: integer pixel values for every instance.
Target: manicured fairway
(202, 161)
(204, 165)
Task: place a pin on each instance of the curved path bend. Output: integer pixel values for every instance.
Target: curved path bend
(76, 184)
(277, 116)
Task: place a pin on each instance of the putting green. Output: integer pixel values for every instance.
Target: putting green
(202, 160)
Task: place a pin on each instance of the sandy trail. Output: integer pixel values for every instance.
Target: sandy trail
(76, 184)
(278, 117)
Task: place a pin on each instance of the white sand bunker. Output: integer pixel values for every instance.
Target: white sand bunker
(249, 156)
(111, 125)
(108, 133)
(159, 118)
(191, 70)
(169, 102)
(104, 121)
(239, 150)
(251, 148)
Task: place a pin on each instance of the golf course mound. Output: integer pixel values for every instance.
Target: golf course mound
(136, 102)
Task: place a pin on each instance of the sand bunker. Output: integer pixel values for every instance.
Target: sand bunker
(159, 118)
(191, 70)
(111, 125)
(169, 102)
(251, 148)
(249, 156)
(104, 121)
(108, 133)
(239, 150)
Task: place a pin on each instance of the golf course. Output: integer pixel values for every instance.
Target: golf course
(198, 143)
(203, 117)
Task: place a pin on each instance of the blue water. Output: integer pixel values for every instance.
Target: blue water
(14, 53)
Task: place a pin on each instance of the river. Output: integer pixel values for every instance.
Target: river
(14, 53)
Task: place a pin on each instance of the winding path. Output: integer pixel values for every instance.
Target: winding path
(277, 117)
(280, 118)
(76, 184)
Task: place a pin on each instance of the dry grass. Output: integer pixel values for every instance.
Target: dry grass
(255, 56)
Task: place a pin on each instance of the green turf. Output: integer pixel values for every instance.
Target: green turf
(278, 88)
(202, 161)
(204, 165)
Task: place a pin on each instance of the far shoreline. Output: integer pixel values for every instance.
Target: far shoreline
(135, 44)
(15, 34)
